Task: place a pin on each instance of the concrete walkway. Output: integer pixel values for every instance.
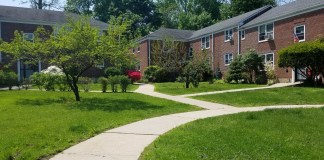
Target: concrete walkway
(128, 142)
(277, 85)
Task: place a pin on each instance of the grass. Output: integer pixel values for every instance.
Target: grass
(179, 88)
(271, 134)
(265, 97)
(37, 124)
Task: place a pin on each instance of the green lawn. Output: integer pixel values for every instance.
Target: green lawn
(179, 88)
(271, 134)
(34, 124)
(265, 97)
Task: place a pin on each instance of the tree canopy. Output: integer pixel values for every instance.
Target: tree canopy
(75, 48)
(308, 55)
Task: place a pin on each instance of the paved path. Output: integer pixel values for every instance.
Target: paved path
(128, 142)
(277, 85)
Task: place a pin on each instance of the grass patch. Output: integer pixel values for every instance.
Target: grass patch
(177, 88)
(271, 134)
(265, 97)
(35, 124)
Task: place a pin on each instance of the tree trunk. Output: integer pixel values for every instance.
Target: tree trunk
(76, 90)
(39, 4)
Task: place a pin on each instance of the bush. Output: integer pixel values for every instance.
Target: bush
(104, 83)
(38, 79)
(113, 81)
(8, 79)
(61, 83)
(235, 72)
(50, 81)
(124, 82)
(134, 75)
(85, 83)
(150, 73)
(113, 71)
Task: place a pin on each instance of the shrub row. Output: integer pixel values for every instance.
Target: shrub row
(114, 81)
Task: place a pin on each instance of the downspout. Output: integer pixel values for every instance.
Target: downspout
(149, 52)
(213, 58)
(238, 39)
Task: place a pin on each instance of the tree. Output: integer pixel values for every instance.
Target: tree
(42, 4)
(252, 64)
(235, 72)
(308, 55)
(195, 70)
(170, 56)
(79, 6)
(77, 47)
(238, 7)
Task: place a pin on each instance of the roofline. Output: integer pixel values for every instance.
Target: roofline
(45, 23)
(253, 16)
(296, 13)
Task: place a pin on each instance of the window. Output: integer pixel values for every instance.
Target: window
(133, 50)
(268, 59)
(29, 37)
(228, 35)
(242, 33)
(205, 43)
(300, 32)
(139, 49)
(100, 65)
(266, 32)
(190, 53)
(228, 58)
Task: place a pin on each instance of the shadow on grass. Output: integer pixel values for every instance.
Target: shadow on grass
(90, 104)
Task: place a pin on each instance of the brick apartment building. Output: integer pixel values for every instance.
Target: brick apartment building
(267, 29)
(27, 20)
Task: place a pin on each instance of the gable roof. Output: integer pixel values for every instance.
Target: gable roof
(175, 34)
(37, 16)
(288, 10)
(232, 22)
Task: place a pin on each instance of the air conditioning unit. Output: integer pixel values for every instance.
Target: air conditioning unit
(230, 38)
(269, 37)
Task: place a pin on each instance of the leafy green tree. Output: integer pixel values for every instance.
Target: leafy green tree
(188, 14)
(42, 4)
(308, 55)
(238, 7)
(252, 64)
(75, 48)
(79, 6)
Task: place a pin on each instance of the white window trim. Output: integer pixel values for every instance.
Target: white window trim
(273, 60)
(138, 49)
(241, 34)
(304, 32)
(226, 36)
(101, 65)
(228, 59)
(273, 36)
(203, 45)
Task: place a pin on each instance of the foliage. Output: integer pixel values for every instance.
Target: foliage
(124, 82)
(134, 75)
(271, 74)
(38, 80)
(8, 79)
(113, 81)
(75, 48)
(85, 83)
(194, 71)
(42, 4)
(113, 71)
(151, 73)
(307, 54)
(104, 82)
(238, 7)
(235, 72)
(188, 14)
(247, 67)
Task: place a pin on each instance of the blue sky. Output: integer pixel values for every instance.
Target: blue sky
(16, 3)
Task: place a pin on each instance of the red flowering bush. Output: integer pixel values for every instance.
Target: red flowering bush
(134, 75)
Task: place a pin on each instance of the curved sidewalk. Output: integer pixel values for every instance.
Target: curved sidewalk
(128, 142)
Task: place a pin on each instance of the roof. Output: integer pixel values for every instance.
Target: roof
(232, 22)
(286, 11)
(175, 34)
(37, 16)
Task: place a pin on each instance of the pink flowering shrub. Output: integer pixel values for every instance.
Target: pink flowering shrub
(134, 75)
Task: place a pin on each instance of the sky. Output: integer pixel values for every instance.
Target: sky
(17, 3)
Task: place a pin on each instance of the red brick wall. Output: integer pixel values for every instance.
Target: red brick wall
(283, 37)
(142, 55)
